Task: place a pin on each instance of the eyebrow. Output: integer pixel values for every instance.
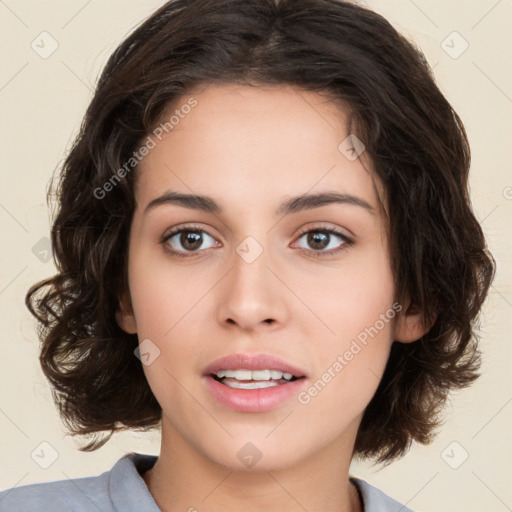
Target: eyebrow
(293, 205)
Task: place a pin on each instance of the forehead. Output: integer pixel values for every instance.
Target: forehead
(251, 145)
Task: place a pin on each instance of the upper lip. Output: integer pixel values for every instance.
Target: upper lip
(252, 362)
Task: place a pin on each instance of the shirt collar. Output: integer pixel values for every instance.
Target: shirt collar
(128, 491)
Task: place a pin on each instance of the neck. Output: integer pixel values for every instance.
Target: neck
(183, 478)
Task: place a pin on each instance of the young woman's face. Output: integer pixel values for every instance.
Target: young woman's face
(252, 279)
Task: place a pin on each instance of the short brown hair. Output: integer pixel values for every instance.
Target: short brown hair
(418, 149)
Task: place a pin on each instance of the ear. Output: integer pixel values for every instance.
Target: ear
(124, 315)
(409, 327)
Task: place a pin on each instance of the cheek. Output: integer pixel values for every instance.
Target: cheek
(353, 297)
(350, 371)
(168, 300)
(357, 306)
(165, 294)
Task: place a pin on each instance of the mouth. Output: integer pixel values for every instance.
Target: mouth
(257, 379)
(253, 383)
(252, 367)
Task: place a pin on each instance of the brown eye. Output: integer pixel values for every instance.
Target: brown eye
(186, 240)
(318, 240)
(324, 241)
(190, 240)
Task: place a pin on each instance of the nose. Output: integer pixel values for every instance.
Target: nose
(251, 295)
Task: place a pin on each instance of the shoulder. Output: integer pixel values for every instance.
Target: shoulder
(376, 500)
(120, 488)
(73, 495)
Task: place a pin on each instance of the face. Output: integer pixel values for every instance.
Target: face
(260, 274)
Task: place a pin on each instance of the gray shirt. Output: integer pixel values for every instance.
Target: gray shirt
(122, 489)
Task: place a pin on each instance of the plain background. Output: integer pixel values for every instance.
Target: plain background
(469, 465)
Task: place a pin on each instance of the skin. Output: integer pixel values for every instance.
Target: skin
(250, 149)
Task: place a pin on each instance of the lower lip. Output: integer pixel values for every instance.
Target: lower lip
(253, 400)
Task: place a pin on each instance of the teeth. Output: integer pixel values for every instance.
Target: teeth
(250, 385)
(254, 375)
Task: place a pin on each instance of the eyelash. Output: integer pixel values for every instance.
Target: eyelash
(317, 254)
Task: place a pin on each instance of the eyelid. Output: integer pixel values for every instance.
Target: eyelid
(347, 241)
(187, 227)
(324, 226)
(172, 232)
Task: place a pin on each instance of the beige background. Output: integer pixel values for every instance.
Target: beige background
(42, 102)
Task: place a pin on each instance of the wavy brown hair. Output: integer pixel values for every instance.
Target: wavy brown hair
(418, 149)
